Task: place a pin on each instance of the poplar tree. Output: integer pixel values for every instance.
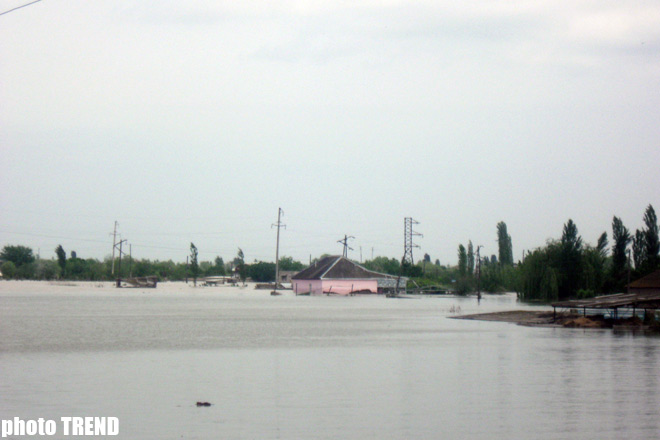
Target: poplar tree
(194, 265)
(570, 260)
(651, 241)
(504, 245)
(470, 258)
(462, 260)
(602, 244)
(621, 237)
(61, 258)
(639, 249)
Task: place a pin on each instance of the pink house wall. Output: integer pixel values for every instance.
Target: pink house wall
(340, 287)
(303, 286)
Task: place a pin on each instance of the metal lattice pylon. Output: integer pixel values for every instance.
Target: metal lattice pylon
(408, 239)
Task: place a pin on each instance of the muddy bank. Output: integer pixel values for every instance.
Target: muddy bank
(563, 319)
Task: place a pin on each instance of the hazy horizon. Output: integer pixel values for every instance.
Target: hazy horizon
(193, 122)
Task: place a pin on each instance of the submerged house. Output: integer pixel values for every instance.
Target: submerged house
(341, 276)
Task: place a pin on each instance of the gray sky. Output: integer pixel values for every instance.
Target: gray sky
(194, 121)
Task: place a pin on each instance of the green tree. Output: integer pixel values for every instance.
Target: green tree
(194, 265)
(470, 258)
(390, 266)
(288, 263)
(61, 258)
(261, 271)
(602, 244)
(218, 266)
(651, 242)
(504, 245)
(538, 273)
(46, 269)
(622, 239)
(19, 255)
(239, 264)
(639, 249)
(570, 260)
(8, 269)
(462, 260)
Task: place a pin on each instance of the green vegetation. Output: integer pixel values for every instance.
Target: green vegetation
(194, 264)
(563, 268)
(570, 269)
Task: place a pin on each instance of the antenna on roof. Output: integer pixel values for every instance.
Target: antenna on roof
(345, 243)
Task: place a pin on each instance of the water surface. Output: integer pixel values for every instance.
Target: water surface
(314, 367)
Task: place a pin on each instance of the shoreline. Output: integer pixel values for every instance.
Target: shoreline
(532, 318)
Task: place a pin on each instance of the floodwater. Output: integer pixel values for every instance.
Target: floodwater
(314, 367)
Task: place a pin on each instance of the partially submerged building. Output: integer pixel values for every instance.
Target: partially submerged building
(340, 276)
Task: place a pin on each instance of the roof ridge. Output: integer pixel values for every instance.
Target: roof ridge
(338, 258)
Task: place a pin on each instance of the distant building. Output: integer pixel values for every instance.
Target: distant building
(649, 284)
(285, 275)
(341, 276)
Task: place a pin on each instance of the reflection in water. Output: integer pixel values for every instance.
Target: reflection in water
(321, 368)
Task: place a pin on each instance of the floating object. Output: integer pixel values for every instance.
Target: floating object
(203, 404)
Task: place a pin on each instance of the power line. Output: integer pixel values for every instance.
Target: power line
(19, 7)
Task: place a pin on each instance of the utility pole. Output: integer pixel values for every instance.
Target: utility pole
(130, 260)
(408, 235)
(360, 254)
(345, 243)
(114, 245)
(478, 274)
(278, 225)
(119, 265)
(629, 264)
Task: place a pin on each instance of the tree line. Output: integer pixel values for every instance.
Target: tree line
(19, 262)
(563, 268)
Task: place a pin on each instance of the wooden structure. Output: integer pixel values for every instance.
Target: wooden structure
(150, 282)
(644, 293)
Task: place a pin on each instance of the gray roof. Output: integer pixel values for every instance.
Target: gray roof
(338, 267)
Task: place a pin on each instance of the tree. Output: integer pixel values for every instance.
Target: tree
(239, 264)
(218, 266)
(288, 263)
(504, 245)
(470, 258)
(602, 244)
(46, 269)
(570, 260)
(194, 265)
(651, 241)
(262, 271)
(19, 255)
(61, 258)
(8, 270)
(390, 266)
(462, 260)
(621, 237)
(639, 249)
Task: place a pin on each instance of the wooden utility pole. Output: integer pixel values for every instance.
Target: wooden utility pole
(119, 265)
(114, 245)
(345, 243)
(278, 225)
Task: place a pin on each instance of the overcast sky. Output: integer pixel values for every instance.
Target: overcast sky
(196, 120)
